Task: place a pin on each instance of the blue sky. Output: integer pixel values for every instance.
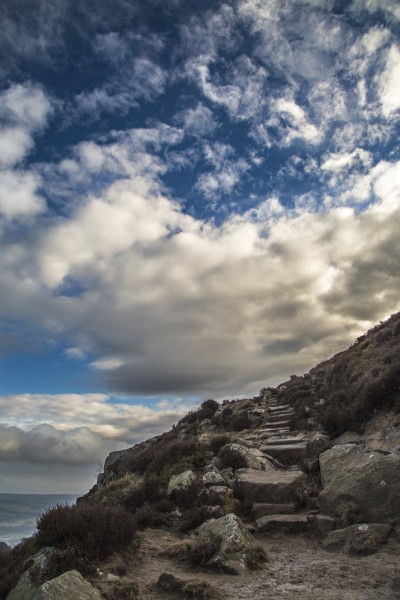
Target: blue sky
(196, 199)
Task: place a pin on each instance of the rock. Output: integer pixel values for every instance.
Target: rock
(24, 590)
(68, 586)
(180, 588)
(218, 493)
(283, 523)
(289, 454)
(113, 457)
(318, 443)
(358, 539)
(236, 543)
(262, 509)
(180, 481)
(269, 486)
(254, 458)
(210, 469)
(348, 437)
(27, 585)
(213, 478)
(368, 480)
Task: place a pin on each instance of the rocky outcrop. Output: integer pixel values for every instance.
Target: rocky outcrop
(369, 480)
(358, 539)
(68, 586)
(235, 546)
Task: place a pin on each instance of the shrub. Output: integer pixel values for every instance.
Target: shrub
(240, 422)
(194, 517)
(218, 441)
(210, 405)
(149, 516)
(123, 590)
(256, 557)
(93, 529)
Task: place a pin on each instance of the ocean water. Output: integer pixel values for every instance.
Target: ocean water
(18, 513)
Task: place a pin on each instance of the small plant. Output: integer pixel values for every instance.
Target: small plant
(256, 557)
(203, 549)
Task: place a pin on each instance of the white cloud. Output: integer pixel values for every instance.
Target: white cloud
(15, 143)
(27, 105)
(198, 121)
(337, 162)
(75, 353)
(389, 82)
(296, 124)
(19, 195)
(76, 429)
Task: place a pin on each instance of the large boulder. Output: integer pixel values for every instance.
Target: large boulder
(68, 586)
(357, 539)
(34, 568)
(180, 481)
(24, 590)
(367, 480)
(269, 486)
(235, 546)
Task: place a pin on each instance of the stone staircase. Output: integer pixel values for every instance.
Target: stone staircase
(274, 493)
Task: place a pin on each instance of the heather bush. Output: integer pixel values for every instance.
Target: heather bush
(218, 441)
(94, 530)
(240, 422)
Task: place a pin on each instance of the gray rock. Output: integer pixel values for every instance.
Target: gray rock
(318, 443)
(236, 542)
(4, 548)
(262, 509)
(369, 480)
(68, 586)
(284, 523)
(254, 458)
(269, 486)
(348, 437)
(357, 539)
(180, 481)
(213, 478)
(24, 590)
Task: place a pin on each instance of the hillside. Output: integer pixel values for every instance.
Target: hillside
(259, 487)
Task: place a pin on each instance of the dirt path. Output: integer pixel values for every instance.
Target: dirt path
(298, 569)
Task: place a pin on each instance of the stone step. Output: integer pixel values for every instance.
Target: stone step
(280, 407)
(284, 441)
(269, 486)
(278, 424)
(262, 509)
(299, 523)
(287, 454)
(280, 417)
(267, 433)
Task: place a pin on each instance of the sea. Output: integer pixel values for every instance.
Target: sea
(19, 512)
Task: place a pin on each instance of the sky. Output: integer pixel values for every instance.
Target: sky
(197, 199)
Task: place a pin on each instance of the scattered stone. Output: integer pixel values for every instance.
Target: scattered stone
(180, 481)
(366, 479)
(358, 539)
(68, 586)
(191, 588)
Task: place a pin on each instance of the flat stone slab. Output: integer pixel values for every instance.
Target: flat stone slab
(280, 417)
(285, 441)
(262, 509)
(269, 486)
(286, 454)
(285, 523)
(278, 424)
